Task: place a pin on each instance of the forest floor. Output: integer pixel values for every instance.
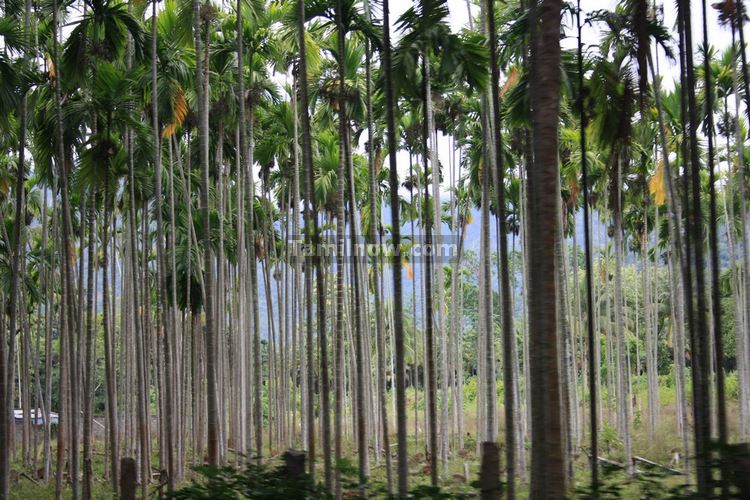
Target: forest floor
(463, 467)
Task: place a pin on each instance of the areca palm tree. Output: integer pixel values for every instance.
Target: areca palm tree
(461, 59)
(373, 234)
(14, 93)
(611, 76)
(148, 154)
(699, 335)
(506, 308)
(343, 130)
(591, 338)
(309, 212)
(733, 13)
(165, 325)
(547, 464)
(398, 325)
(61, 161)
(631, 31)
(201, 22)
(724, 73)
(714, 256)
(101, 164)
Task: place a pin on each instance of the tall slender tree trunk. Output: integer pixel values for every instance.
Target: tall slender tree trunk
(68, 315)
(651, 344)
(49, 280)
(242, 285)
(678, 267)
(699, 335)
(428, 294)
(340, 273)
(376, 265)
(166, 325)
(7, 339)
(109, 349)
(486, 345)
(714, 259)
(506, 309)
(623, 401)
(202, 98)
(431, 154)
(398, 325)
(547, 467)
(592, 338)
(309, 256)
(738, 23)
(253, 281)
(89, 366)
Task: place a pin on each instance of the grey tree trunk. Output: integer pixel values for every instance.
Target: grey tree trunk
(109, 348)
(166, 325)
(376, 267)
(623, 400)
(307, 167)
(202, 98)
(743, 338)
(428, 295)
(506, 309)
(88, 360)
(398, 326)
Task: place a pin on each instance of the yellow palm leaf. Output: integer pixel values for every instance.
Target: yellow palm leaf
(656, 185)
(51, 69)
(169, 130)
(179, 112)
(510, 82)
(409, 270)
(180, 107)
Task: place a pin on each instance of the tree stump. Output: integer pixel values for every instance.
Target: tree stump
(740, 465)
(128, 478)
(294, 463)
(489, 474)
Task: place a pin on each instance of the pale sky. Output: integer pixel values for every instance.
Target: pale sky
(719, 37)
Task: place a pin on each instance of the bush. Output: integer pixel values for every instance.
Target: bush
(256, 481)
(470, 391)
(732, 386)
